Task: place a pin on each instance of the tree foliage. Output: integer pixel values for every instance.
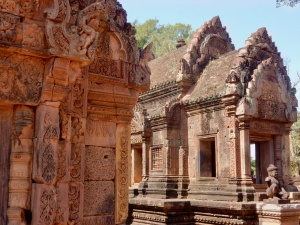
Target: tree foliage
(290, 3)
(163, 36)
(295, 147)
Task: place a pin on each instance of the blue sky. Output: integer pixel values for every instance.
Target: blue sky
(241, 17)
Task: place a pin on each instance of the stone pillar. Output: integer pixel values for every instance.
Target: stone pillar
(145, 166)
(245, 148)
(21, 164)
(278, 156)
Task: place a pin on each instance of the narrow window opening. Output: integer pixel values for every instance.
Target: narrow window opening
(157, 159)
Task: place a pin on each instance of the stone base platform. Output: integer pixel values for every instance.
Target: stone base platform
(278, 214)
(184, 211)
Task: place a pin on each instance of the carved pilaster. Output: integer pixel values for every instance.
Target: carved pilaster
(145, 162)
(122, 172)
(245, 147)
(287, 167)
(278, 156)
(21, 164)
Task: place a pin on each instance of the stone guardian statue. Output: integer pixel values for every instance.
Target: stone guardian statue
(274, 190)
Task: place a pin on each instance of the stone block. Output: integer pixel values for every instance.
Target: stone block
(45, 161)
(60, 71)
(99, 220)
(99, 198)
(60, 93)
(22, 146)
(77, 129)
(100, 133)
(99, 163)
(47, 122)
(43, 204)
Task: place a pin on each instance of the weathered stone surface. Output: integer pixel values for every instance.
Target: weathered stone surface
(99, 163)
(99, 198)
(100, 133)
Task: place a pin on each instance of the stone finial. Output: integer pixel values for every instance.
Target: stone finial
(180, 43)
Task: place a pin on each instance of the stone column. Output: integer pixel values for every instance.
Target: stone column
(21, 164)
(145, 167)
(245, 147)
(278, 156)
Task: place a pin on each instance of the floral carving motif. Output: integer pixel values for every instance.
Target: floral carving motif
(75, 169)
(48, 163)
(122, 192)
(48, 206)
(78, 97)
(74, 202)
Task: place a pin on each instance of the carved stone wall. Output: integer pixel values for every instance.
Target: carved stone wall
(70, 76)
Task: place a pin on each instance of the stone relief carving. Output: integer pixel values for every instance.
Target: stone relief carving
(70, 32)
(48, 163)
(21, 78)
(33, 36)
(48, 205)
(24, 8)
(74, 202)
(76, 40)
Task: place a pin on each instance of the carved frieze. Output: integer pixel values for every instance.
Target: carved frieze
(266, 126)
(21, 78)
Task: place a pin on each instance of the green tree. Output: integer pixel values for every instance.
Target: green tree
(295, 147)
(290, 3)
(163, 36)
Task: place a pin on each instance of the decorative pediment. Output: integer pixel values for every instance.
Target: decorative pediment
(267, 95)
(209, 42)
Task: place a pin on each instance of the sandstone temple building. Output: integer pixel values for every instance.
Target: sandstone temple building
(84, 141)
(70, 76)
(192, 131)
